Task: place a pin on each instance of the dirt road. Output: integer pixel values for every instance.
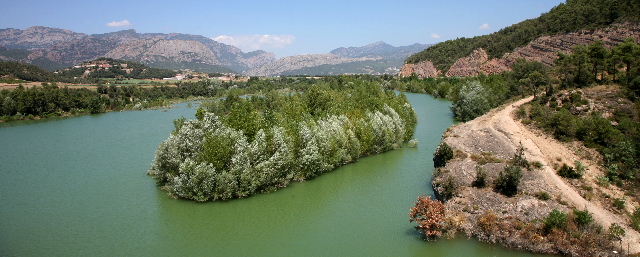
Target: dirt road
(546, 150)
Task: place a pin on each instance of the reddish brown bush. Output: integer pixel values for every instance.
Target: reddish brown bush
(430, 215)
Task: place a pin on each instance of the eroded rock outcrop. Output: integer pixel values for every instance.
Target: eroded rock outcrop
(422, 69)
(470, 65)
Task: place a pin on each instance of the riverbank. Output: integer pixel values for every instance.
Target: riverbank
(488, 142)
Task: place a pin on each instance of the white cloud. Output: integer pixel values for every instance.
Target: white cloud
(254, 42)
(485, 26)
(434, 35)
(122, 23)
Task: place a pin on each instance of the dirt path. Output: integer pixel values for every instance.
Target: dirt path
(545, 150)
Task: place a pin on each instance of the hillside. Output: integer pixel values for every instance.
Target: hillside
(17, 72)
(53, 49)
(575, 17)
(488, 143)
(112, 68)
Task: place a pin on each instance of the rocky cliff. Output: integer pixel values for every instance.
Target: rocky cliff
(157, 49)
(423, 69)
(543, 49)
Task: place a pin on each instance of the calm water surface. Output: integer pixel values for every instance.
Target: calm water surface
(77, 187)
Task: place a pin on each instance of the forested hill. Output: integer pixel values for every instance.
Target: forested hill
(573, 15)
(86, 72)
(10, 71)
(112, 68)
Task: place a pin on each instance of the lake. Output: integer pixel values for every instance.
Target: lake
(78, 187)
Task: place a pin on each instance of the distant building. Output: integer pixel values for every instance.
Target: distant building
(177, 77)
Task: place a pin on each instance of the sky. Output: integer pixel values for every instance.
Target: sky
(283, 27)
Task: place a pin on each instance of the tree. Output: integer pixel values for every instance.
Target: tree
(628, 52)
(598, 55)
(472, 102)
(429, 214)
(535, 80)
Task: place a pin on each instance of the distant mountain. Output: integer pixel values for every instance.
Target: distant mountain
(380, 49)
(297, 62)
(53, 48)
(36, 37)
(377, 58)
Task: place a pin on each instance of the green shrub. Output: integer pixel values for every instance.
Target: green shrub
(568, 172)
(635, 219)
(542, 195)
(556, 219)
(563, 124)
(508, 180)
(485, 157)
(537, 164)
(449, 188)
(521, 112)
(481, 177)
(583, 218)
(603, 180)
(616, 232)
(443, 154)
(619, 203)
(519, 160)
(580, 168)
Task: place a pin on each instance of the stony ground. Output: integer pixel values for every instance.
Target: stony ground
(498, 135)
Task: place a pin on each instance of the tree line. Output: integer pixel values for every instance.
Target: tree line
(51, 100)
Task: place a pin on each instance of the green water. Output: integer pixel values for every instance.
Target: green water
(77, 187)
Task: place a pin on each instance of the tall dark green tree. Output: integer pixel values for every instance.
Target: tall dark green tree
(628, 53)
(598, 55)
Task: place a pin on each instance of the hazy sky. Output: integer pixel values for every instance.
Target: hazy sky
(283, 27)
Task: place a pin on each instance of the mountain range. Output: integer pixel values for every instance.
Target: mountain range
(55, 48)
(375, 59)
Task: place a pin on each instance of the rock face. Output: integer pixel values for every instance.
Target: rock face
(160, 50)
(297, 62)
(470, 65)
(422, 69)
(543, 49)
(66, 48)
(74, 51)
